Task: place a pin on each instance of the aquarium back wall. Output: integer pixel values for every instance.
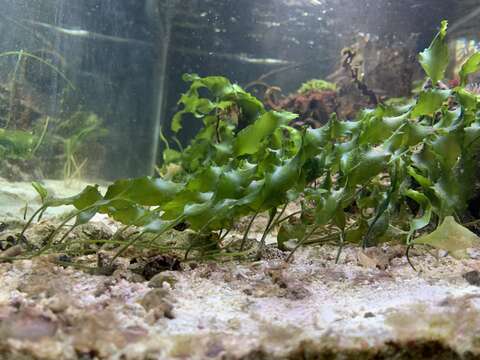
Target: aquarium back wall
(105, 49)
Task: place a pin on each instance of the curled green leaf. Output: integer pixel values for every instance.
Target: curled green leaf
(434, 59)
(450, 236)
(470, 66)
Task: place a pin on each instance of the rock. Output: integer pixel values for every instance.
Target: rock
(128, 275)
(169, 277)
(135, 333)
(373, 258)
(157, 301)
(290, 287)
(62, 259)
(105, 265)
(27, 325)
(472, 277)
(97, 332)
(151, 266)
(95, 231)
(273, 253)
(11, 252)
(160, 263)
(58, 304)
(8, 241)
(297, 291)
(104, 287)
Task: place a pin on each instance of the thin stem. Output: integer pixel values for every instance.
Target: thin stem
(278, 222)
(125, 247)
(217, 130)
(199, 232)
(301, 242)
(160, 233)
(42, 136)
(25, 210)
(55, 232)
(13, 89)
(163, 138)
(245, 235)
(192, 246)
(40, 216)
(200, 247)
(30, 220)
(69, 231)
(265, 233)
(408, 257)
(179, 144)
(225, 235)
(120, 231)
(340, 247)
(262, 78)
(52, 67)
(187, 252)
(78, 169)
(471, 223)
(382, 209)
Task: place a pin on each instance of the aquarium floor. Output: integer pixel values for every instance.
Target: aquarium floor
(373, 307)
(14, 196)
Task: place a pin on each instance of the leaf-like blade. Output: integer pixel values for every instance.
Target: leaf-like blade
(450, 236)
(289, 232)
(429, 102)
(366, 165)
(144, 191)
(41, 190)
(250, 139)
(470, 66)
(434, 59)
(424, 202)
(88, 197)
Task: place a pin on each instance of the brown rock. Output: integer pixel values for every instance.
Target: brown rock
(58, 304)
(11, 252)
(27, 325)
(169, 277)
(373, 258)
(160, 263)
(158, 301)
(472, 277)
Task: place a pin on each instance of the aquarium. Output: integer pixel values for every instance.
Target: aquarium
(245, 179)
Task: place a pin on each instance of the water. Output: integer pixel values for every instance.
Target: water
(287, 214)
(86, 87)
(107, 54)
